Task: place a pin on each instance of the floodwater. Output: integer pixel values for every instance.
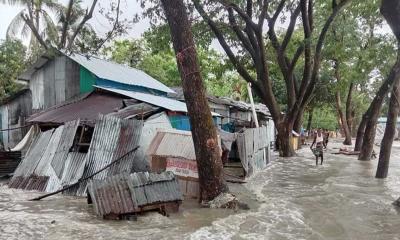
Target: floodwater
(292, 199)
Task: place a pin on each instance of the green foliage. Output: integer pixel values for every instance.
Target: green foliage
(158, 60)
(129, 52)
(12, 59)
(323, 117)
(161, 66)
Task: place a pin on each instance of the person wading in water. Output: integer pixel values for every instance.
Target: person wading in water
(326, 138)
(319, 145)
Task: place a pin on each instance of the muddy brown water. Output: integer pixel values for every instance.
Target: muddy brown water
(292, 199)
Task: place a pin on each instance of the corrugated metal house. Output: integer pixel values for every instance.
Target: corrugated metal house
(13, 113)
(62, 81)
(233, 115)
(58, 79)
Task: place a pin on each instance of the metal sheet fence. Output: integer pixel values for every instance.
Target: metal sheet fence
(254, 149)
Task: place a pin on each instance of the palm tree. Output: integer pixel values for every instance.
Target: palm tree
(69, 31)
(34, 21)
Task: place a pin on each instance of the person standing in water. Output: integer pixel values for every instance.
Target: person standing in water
(319, 145)
(326, 138)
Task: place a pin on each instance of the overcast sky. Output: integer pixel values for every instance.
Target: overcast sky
(130, 8)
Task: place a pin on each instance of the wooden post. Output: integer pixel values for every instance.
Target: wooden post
(253, 108)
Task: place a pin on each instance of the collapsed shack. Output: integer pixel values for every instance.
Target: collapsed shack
(250, 152)
(61, 156)
(243, 154)
(123, 195)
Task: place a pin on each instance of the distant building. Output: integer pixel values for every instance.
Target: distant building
(380, 130)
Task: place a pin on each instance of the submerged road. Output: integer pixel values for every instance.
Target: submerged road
(292, 199)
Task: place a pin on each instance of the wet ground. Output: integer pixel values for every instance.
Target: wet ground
(292, 199)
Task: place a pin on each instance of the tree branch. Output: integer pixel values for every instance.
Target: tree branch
(240, 68)
(86, 18)
(35, 32)
(278, 11)
(61, 44)
(318, 49)
(263, 14)
(296, 57)
(310, 14)
(291, 27)
(249, 8)
(307, 46)
(110, 33)
(242, 14)
(246, 42)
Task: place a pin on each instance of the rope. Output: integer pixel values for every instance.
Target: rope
(180, 56)
(15, 128)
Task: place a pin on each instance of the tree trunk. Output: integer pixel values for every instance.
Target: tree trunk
(390, 130)
(285, 139)
(360, 131)
(309, 123)
(342, 116)
(345, 127)
(203, 130)
(349, 107)
(299, 122)
(373, 114)
(390, 10)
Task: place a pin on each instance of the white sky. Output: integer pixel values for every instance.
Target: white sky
(130, 8)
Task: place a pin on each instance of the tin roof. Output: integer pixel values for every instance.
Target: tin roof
(160, 101)
(131, 111)
(260, 108)
(128, 193)
(118, 73)
(86, 108)
(173, 143)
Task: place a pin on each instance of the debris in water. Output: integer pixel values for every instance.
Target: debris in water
(125, 195)
(224, 200)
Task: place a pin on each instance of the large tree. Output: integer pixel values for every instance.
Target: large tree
(390, 9)
(204, 133)
(247, 21)
(356, 51)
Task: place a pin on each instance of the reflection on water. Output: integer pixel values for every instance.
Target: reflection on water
(294, 200)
